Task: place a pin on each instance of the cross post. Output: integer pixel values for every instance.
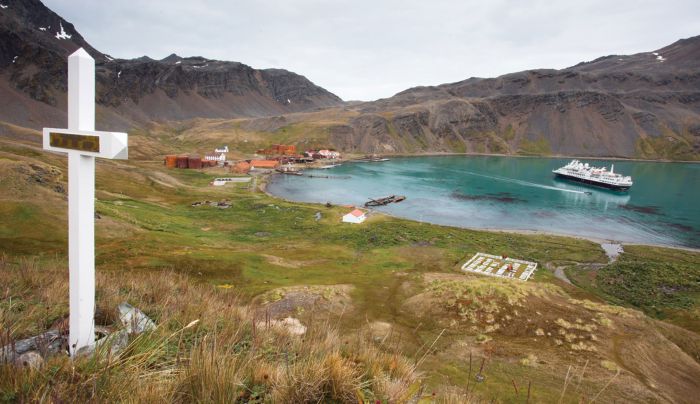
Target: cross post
(83, 144)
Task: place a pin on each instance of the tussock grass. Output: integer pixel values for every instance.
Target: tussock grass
(207, 347)
(478, 298)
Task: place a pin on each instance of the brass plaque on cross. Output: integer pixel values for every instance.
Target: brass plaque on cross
(75, 142)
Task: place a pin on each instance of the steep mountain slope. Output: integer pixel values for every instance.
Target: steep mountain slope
(643, 105)
(34, 44)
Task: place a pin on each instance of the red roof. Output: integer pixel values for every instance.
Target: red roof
(264, 163)
(357, 213)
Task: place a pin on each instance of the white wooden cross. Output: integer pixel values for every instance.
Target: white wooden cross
(83, 144)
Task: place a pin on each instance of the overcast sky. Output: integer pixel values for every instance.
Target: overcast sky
(364, 49)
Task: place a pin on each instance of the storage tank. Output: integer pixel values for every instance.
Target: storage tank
(181, 161)
(194, 162)
(170, 161)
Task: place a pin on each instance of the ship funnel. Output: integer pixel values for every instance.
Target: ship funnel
(612, 168)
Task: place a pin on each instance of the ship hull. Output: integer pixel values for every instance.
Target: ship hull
(593, 183)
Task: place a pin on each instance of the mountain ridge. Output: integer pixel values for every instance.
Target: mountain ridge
(645, 105)
(35, 43)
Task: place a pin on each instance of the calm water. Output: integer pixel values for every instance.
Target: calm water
(663, 206)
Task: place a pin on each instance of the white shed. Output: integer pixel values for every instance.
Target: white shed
(215, 157)
(356, 216)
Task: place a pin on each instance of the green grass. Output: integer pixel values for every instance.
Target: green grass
(508, 134)
(539, 147)
(663, 283)
(649, 286)
(669, 145)
(162, 231)
(262, 243)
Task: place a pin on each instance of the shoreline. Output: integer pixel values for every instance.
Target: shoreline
(473, 154)
(597, 240)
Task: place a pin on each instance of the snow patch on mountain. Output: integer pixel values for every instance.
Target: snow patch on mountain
(62, 34)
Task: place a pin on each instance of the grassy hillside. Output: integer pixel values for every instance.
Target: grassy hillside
(389, 289)
(207, 347)
(663, 283)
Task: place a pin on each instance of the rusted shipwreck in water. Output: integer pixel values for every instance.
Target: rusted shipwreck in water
(385, 201)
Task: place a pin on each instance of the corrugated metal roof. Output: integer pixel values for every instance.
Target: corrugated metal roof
(357, 213)
(264, 163)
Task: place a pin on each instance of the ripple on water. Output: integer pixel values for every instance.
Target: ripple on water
(519, 194)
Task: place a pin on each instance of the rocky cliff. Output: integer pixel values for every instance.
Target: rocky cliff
(644, 105)
(34, 45)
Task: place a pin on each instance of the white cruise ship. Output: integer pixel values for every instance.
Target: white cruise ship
(597, 176)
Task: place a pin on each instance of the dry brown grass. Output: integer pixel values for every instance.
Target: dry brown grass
(207, 347)
(232, 353)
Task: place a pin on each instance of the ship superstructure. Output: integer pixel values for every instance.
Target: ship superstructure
(597, 176)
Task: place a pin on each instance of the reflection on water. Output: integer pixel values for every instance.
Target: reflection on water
(518, 194)
(600, 198)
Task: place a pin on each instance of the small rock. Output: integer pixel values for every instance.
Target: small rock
(117, 342)
(50, 342)
(30, 359)
(291, 324)
(85, 351)
(134, 320)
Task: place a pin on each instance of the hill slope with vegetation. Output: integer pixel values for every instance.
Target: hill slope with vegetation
(390, 289)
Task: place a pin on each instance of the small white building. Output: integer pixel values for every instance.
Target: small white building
(215, 157)
(222, 149)
(329, 154)
(356, 216)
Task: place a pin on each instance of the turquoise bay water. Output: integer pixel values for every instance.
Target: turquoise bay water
(485, 192)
